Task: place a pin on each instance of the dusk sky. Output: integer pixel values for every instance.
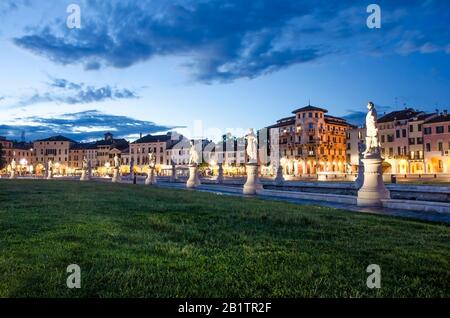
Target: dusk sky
(147, 66)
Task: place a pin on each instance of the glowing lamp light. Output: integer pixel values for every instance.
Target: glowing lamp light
(23, 162)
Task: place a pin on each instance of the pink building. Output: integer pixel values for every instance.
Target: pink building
(436, 134)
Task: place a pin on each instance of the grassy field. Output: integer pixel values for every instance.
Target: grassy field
(135, 241)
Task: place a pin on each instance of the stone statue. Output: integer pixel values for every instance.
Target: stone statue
(13, 169)
(194, 156)
(85, 170)
(116, 162)
(85, 164)
(372, 143)
(372, 191)
(151, 160)
(49, 169)
(151, 177)
(252, 146)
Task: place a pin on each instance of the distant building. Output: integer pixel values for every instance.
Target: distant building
(436, 137)
(312, 141)
(412, 142)
(158, 144)
(56, 149)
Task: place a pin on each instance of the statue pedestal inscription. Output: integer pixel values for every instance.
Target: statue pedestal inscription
(194, 180)
(373, 189)
(116, 175)
(252, 184)
(151, 177)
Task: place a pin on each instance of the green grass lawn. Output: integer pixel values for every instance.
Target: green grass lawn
(136, 241)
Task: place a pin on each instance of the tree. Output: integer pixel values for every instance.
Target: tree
(2, 157)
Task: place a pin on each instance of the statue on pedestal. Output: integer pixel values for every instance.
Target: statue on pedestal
(116, 172)
(151, 177)
(373, 190)
(13, 169)
(49, 169)
(252, 184)
(116, 162)
(85, 170)
(194, 159)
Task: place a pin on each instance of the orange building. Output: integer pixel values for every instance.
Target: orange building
(312, 141)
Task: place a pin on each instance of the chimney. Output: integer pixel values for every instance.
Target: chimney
(140, 135)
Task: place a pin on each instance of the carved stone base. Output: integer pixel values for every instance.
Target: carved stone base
(49, 175)
(252, 184)
(194, 180)
(84, 176)
(116, 175)
(151, 177)
(13, 175)
(373, 189)
(279, 179)
(360, 178)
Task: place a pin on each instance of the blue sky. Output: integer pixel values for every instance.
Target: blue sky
(157, 64)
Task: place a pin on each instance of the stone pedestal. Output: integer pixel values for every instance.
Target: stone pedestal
(13, 174)
(151, 177)
(84, 175)
(373, 189)
(252, 184)
(49, 175)
(116, 175)
(194, 180)
(173, 177)
(279, 179)
(360, 178)
(219, 179)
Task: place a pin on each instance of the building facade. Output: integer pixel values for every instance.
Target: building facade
(412, 142)
(312, 141)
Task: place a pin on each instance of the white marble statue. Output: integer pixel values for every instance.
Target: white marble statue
(85, 173)
(372, 143)
(85, 164)
(151, 160)
(13, 169)
(13, 165)
(252, 146)
(49, 169)
(372, 191)
(194, 155)
(116, 162)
